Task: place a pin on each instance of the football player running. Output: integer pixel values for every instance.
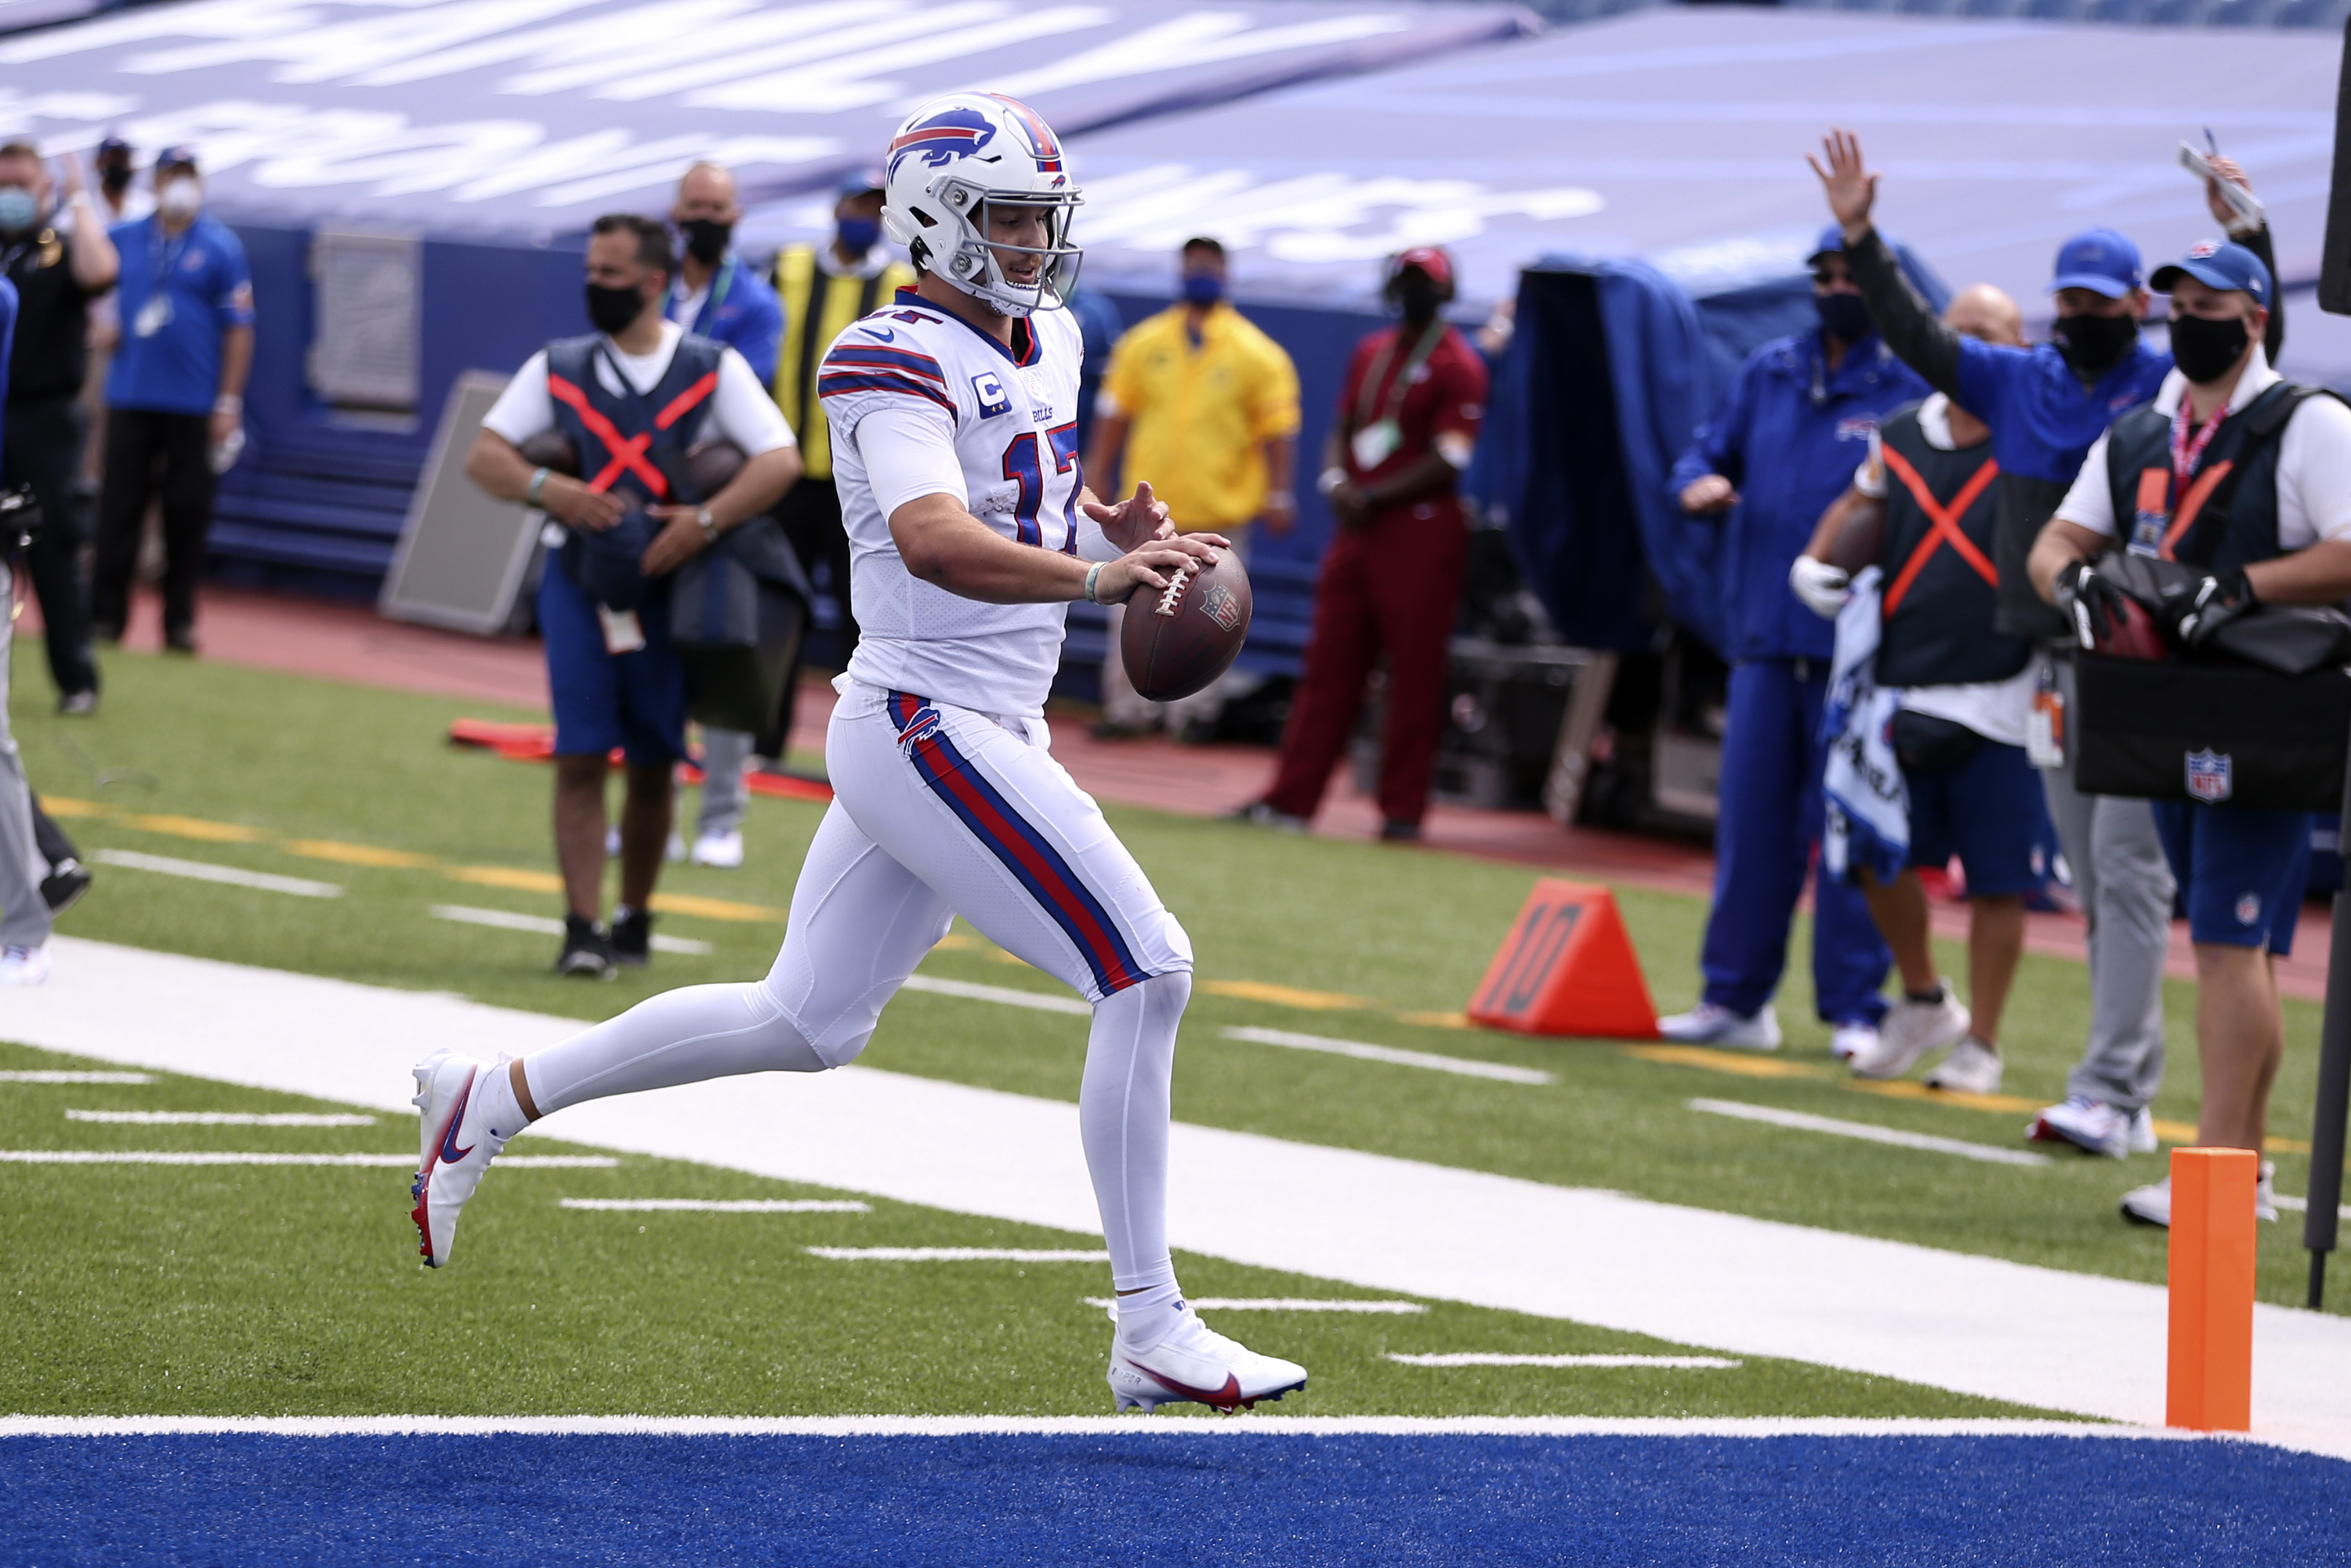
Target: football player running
(953, 414)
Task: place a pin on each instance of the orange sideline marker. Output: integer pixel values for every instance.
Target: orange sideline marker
(1567, 968)
(2213, 1231)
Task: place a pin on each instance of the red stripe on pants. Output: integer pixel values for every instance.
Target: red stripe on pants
(1393, 587)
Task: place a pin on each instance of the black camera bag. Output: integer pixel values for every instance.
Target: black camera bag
(2219, 733)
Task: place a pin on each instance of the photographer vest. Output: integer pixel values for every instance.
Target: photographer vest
(2227, 513)
(629, 443)
(1942, 590)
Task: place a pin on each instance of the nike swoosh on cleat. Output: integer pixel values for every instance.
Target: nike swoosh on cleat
(450, 1152)
(1224, 1398)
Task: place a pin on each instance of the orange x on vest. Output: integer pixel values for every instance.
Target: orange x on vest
(2155, 490)
(629, 452)
(1942, 524)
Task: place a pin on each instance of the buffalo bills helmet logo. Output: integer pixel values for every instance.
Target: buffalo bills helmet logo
(921, 725)
(2203, 248)
(942, 138)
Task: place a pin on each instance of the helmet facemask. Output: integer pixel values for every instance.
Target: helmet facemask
(975, 264)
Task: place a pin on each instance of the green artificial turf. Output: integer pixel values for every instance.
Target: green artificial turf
(258, 1291)
(1401, 932)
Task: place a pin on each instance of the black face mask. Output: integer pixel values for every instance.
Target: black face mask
(1843, 316)
(115, 180)
(2205, 348)
(705, 240)
(2094, 345)
(613, 309)
(1418, 298)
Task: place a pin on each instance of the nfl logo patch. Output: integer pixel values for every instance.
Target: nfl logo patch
(2209, 777)
(2249, 909)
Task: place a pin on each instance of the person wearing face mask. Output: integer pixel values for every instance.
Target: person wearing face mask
(1782, 446)
(633, 398)
(174, 395)
(60, 261)
(824, 288)
(2045, 405)
(718, 297)
(2246, 477)
(1958, 737)
(1205, 405)
(1407, 422)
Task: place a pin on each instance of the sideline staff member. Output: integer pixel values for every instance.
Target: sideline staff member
(1391, 580)
(176, 392)
(717, 298)
(2285, 537)
(1211, 404)
(1781, 447)
(59, 262)
(615, 680)
(23, 913)
(1966, 694)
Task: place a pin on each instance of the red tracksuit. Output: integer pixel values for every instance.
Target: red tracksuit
(1392, 586)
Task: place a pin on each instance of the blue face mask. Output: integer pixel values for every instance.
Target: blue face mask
(858, 236)
(19, 210)
(1203, 287)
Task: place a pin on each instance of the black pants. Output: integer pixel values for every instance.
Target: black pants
(811, 514)
(44, 446)
(141, 446)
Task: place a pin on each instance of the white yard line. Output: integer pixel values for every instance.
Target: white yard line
(1281, 1304)
(1868, 1132)
(542, 925)
(969, 992)
(723, 1204)
(43, 1075)
(1722, 1282)
(1360, 1051)
(226, 1118)
(1483, 1358)
(241, 1158)
(207, 871)
(2301, 1205)
(1261, 1424)
(957, 1254)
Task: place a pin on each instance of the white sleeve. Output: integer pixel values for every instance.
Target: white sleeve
(742, 410)
(2090, 504)
(524, 409)
(2314, 474)
(909, 452)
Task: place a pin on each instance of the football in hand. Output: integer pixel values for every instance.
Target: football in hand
(1178, 639)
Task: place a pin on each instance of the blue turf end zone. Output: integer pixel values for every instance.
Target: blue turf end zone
(1162, 1497)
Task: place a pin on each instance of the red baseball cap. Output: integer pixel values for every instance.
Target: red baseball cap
(1429, 259)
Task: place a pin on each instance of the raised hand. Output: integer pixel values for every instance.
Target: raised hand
(2229, 169)
(1851, 189)
(1130, 522)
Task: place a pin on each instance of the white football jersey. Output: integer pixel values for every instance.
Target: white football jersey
(1013, 423)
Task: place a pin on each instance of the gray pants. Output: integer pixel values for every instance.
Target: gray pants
(725, 753)
(23, 914)
(2125, 887)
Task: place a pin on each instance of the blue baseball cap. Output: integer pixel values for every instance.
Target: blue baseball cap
(862, 183)
(2217, 264)
(179, 156)
(1832, 243)
(2100, 260)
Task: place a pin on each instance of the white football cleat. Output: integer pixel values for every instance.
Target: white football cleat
(24, 966)
(2152, 1204)
(1912, 1029)
(1847, 1040)
(723, 851)
(455, 1146)
(1193, 1363)
(1710, 1023)
(2095, 1127)
(1972, 1068)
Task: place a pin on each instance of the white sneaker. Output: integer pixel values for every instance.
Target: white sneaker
(1972, 1068)
(723, 851)
(455, 1146)
(2265, 1193)
(24, 966)
(1848, 1040)
(1709, 1023)
(1194, 1363)
(1913, 1030)
(2150, 1204)
(2095, 1127)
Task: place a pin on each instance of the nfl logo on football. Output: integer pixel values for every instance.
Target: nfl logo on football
(2207, 776)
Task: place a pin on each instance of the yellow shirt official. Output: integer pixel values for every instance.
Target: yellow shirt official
(1198, 417)
(818, 305)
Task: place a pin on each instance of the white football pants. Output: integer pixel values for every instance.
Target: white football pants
(939, 812)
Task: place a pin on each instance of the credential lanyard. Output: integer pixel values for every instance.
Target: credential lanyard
(718, 288)
(1403, 383)
(2186, 450)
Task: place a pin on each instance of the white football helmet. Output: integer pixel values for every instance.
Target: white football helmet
(951, 160)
